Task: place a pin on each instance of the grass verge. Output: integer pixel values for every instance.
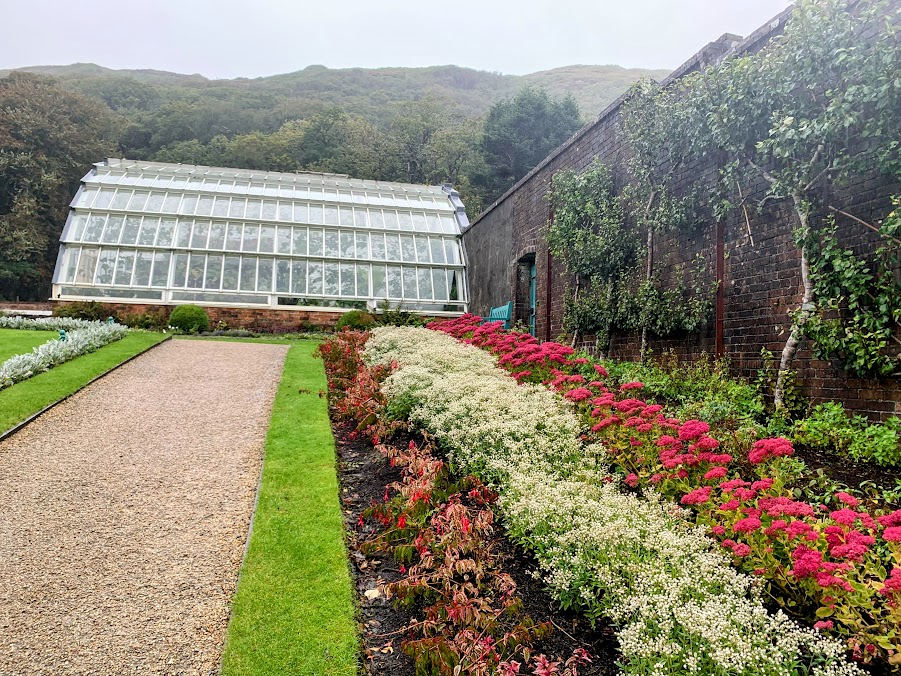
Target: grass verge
(20, 341)
(30, 396)
(294, 611)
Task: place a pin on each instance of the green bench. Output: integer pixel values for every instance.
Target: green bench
(501, 314)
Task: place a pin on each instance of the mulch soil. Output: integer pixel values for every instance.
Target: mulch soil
(843, 469)
(364, 473)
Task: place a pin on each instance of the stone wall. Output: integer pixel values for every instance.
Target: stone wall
(755, 259)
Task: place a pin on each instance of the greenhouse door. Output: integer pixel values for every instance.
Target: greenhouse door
(532, 291)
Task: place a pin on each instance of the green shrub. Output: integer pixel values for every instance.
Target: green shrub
(357, 320)
(90, 310)
(830, 427)
(189, 318)
(152, 320)
(879, 443)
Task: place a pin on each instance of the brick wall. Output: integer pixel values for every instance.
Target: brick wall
(761, 280)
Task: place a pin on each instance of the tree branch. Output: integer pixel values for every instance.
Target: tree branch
(864, 223)
(745, 210)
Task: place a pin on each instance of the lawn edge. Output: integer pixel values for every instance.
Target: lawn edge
(34, 416)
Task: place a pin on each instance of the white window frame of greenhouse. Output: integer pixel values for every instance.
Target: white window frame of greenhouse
(165, 234)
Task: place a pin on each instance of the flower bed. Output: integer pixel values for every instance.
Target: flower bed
(82, 337)
(680, 606)
(837, 563)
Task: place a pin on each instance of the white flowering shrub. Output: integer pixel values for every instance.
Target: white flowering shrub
(82, 337)
(681, 608)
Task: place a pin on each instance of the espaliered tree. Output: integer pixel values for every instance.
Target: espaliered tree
(818, 105)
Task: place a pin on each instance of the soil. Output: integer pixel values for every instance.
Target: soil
(364, 473)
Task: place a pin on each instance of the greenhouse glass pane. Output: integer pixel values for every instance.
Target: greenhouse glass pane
(86, 264)
(392, 246)
(155, 203)
(254, 208)
(160, 275)
(422, 249)
(188, 205)
(148, 231)
(230, 273)
(330, 275)
(316, 217)
(87, 196)
(124, 267)
(204, 206)
(178, 182)
(453, 289)
(120, 201)
(439, 280)
(407, 248)
(95, 227)
(79, 222)
(104, 198)
(404, 220)
(314, 287)
(170, 204)
(143, 264)
(256, 189)
(331, 243)
(237, 207)
(220, 206)
(315, 192)
(347, 244)
(301, 213)
(251, 238)
(419, 223)
(360, 219)
(217, 236)
(264, 275)
(233, 239)
(282, 276)
(226, 186)
(437, 246)
(167, 231)
(315, 243)
(286, 191)
(128, 180)
(376, 219)
(213, 275)
(391, 220)
(130, 231)
(410, 292)
(194, 183)
(345, 216)
(378, 246)
(424, 277)
(269, 210)
(362, 242)
(270, 189)
(179, 269)
(379, 288)
(71, 264)
(145, 180)
(267, 239)
(330, 214)
(434, 223)
(200, 235)
(395, 287)
(283, 240)
(112, 230)
(299, 277)
(183, 234)
(449, 224)
(363, 281)
(345, 196)
(452, 251)
(138, 200)
(105, 266)
(248, 274)
(329, 195)
(348, 284)
(211, 184)
(300, 241)
(285, 213)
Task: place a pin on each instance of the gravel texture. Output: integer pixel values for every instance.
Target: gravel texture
(125, 513)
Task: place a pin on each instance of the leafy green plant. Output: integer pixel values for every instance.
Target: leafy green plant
(189, 318)
(358, 320)
(879, 442)
(89, 310)
(397, 316)
(829, 427)
(155, 320)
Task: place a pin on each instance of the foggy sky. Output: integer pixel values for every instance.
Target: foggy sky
(231, 38)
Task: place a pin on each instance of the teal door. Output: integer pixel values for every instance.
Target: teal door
(532, 289)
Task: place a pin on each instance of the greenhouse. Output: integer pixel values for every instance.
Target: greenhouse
(148, 232)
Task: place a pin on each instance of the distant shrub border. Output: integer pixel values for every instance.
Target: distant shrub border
(82, 337)
(190, 319)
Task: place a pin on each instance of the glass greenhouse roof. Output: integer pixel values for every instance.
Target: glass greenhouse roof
(154, 232)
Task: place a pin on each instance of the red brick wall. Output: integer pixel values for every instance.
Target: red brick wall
(761, 281)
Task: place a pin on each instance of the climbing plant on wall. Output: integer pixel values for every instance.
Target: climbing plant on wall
(813, 108)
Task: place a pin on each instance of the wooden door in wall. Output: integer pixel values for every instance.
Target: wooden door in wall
(533, 287)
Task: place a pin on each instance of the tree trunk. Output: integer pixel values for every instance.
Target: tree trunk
(649, 270)
(576, 329)
(807, 308)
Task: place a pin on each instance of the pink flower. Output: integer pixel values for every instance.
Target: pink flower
(741, 549)
(767, 448)
(578, 394)
(697, 497)
(823, 624)
(718, 530)
(892, 584)
(634, 385)
(730, 506)
(748, 525)
(631, 480)
(849, 500)
(892, 534)
(845, 517)
(716, 473)
(893, 519)
(692, 429)
(601, 370)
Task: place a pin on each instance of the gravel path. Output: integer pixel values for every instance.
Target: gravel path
(125, 513)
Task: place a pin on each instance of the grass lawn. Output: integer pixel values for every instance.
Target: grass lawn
(30, 396)
(20, 341)
(294, 611)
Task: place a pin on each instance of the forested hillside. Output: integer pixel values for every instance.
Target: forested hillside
(479, 131)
